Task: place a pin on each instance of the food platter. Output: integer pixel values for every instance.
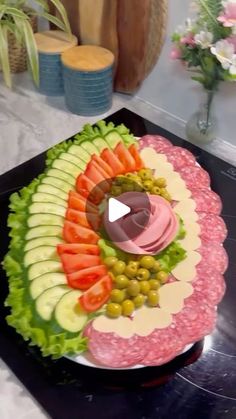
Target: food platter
(190, 266)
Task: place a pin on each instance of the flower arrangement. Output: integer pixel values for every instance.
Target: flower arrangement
(206, 44)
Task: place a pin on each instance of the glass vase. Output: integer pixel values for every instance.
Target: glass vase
(202, 125)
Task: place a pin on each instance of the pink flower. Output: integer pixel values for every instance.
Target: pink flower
(232, 40)
(188, 39)
(175, 53)
(228, 17)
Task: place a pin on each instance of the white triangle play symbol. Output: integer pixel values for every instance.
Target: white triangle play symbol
(116, 210)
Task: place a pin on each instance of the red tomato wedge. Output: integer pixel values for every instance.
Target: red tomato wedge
(97, 295)
(79, 203)
(125, 157)
(85, 219)
(101, 163)
(88, 188)
(74, 248)
(74, 263)
(74, 233)
(86, 278)
(101, 171)
(135, 154)
(110, 158)
(94, 174)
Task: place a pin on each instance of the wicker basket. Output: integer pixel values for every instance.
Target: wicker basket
(17, 52)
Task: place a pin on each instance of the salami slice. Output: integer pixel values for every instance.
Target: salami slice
(209, 285)
(213, 228)
(114, 351)
(195, 177)
(196, 320)
(179, 157)
(157, 142)
(207, 201)
(213, 255)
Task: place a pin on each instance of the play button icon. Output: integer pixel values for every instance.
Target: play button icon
(117, 210)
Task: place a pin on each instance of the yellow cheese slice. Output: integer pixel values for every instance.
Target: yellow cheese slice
(192, 240)
(172, 296)
(177, 188)
(186, 270)
(151, 159)
(186, 210)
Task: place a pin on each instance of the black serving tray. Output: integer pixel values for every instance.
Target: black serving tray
(198, 384)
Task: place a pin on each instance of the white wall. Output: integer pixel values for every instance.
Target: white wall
(169, 86)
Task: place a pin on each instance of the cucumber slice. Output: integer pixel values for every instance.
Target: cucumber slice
(53, 191)
(46, 197)
(48, 300)
(78, 151)
(58, 183)
(100, 143)
(90, 148)
(67, 312)
(113, 138)
(45, 220)
(43, 282)
(47, 208)
(67, 167)
(42, 231)
(61, 175)
(39, 254)
(40, 268)
(73, 159)
(42, 241)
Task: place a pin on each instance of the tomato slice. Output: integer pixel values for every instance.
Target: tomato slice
(74, 248)
(125, 157)
(85, 278)
(135, 154)
(104, 165)
(74, 233)
(77, 217)
(110, 158)
(94, 174)
(88, 188)
(73, 263)
(97, 295)
(80, 203)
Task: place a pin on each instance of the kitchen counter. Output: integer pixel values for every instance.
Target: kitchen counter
(29, 124)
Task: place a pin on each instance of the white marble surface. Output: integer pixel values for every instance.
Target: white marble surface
(29, 124)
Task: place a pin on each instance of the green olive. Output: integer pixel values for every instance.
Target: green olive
(162, 276)
(110, 261)
(122, 281)
(153, 298)
(154, 284)
(143, 274)
(156, 190)
(119, 180)
(145, 174)
(116, 190)
(117, 296)
(156, 267)
(113, 310)
(133, 288)
(147, 262)
(119, 267)
(148, 185)
(160, 181)
(144, 287)
(128, 187)
(139, 300)
(166, 196)
(138, 187)
(127, 308)
(131, 270)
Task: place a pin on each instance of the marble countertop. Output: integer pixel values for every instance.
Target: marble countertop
(29, 124)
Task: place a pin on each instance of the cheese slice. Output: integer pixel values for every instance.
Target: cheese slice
(177, 188)
(192, 240)
(172, 296)
(186, 270)
(152, 159)
(186, 210)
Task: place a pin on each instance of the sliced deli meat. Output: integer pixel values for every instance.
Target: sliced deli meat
(214, 255)
(195, 177)
(207, 201)
(213, 228)
(157, 142)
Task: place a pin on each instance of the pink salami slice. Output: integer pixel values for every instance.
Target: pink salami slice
(213, 255)
(179, 157)
(207, 201)
(114, 351)
(213, 228)
(196, 320)
(209, 285)
(157, 142)
(195, 177)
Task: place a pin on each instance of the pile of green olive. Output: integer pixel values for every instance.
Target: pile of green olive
(135, 283)
(142, 181)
